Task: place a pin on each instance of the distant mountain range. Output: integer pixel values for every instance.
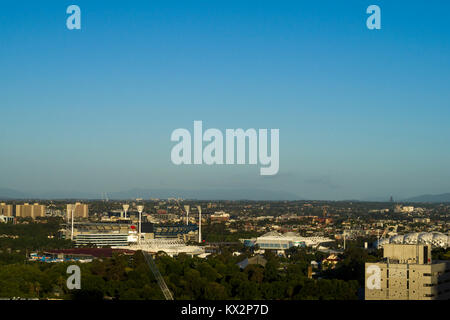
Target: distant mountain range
(201, 194)
(205, 194)
(444, 197)
(6, 193)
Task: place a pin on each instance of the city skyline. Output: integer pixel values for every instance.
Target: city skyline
(362, 113)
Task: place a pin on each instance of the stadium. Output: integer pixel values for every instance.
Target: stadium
(435, 239)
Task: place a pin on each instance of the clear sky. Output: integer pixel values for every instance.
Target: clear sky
(362, 113)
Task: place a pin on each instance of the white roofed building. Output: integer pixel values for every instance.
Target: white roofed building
(276, 241)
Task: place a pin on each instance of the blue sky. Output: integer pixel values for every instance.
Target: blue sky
(362, 113)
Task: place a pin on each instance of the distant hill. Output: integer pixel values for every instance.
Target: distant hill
(7, 194)
(444, 197)
(201, 194)
(205, 194)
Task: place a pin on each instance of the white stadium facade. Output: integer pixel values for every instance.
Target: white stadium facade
(435, 239)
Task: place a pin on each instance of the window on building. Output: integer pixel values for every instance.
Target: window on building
(425, 254)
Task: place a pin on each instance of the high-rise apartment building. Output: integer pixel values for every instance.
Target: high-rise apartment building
(30, 210)
(81, 210)
(407, 273)
(6, 210)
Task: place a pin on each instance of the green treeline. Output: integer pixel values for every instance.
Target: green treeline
(16, 240)
(218, 277)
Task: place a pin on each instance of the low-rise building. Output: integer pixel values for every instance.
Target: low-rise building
(219, 216)
(6, 219)
(330, 262)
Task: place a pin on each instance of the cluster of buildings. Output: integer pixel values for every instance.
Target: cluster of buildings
(405, 233)
(405, 209)
(160, 230)
(219, 216)
(23, 210)
(133, 231)
(36, 210)
(76, 254)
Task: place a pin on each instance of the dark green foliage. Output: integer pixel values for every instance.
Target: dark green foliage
(16, 240)
(128, 277)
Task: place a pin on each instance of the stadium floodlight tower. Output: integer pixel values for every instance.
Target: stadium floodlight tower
(187, 213)
(345, 239)
(73, 213)
(199, 208)
(140, 209)
(69, 208)
(125, 209)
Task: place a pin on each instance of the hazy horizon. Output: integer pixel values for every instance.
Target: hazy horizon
(201, 195)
